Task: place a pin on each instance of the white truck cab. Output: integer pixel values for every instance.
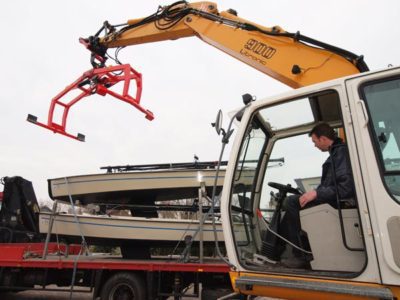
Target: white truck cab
(354, 249)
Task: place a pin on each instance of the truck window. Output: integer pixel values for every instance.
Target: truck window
(301, 168)
(383, 102)
(289, 114)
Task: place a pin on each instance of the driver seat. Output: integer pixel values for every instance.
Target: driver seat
(322, 225)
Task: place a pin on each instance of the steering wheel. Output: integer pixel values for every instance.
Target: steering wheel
(284, 189)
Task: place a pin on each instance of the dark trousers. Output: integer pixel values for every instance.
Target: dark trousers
(290, 226)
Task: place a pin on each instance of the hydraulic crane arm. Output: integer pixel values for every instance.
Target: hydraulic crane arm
(290, 58)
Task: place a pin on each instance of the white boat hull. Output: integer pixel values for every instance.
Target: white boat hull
(128, 228)
(134, 187)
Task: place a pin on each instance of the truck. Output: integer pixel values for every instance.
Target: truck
(95, 253)
(353, 249)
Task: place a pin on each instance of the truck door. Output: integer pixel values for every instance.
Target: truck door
(374, 103)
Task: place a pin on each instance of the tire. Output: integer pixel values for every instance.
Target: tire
(123, 286)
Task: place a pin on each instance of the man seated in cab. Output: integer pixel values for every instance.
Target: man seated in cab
(336, 183)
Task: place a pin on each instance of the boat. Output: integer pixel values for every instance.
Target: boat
(144, 192)
(119, 229)
(139, 184)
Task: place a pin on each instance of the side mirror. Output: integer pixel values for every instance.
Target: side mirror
(218, 122)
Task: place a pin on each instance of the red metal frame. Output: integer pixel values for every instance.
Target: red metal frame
(18, 251)
(17, 255)
(95, 81)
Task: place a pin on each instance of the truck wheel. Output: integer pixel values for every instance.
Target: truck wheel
(123, 286)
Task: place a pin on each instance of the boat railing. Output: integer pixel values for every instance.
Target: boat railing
(165, 166)
(170, 166)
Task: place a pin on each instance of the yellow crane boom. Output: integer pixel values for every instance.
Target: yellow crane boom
(290, 58)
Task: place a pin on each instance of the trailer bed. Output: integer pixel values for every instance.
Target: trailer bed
(30, 255)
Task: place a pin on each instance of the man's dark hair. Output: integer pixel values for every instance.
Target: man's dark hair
(323, 129)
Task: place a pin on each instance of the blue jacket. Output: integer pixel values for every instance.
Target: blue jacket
(328, 190)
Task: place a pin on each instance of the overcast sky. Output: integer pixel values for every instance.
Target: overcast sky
(185, 82)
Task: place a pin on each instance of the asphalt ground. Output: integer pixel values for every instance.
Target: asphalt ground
(44, 295)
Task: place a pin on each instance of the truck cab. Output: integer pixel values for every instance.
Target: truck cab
(353, 249)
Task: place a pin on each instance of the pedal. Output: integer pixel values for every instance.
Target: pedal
(262, 260)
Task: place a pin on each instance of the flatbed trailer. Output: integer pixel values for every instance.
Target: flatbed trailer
(35, 259)
(25, 266)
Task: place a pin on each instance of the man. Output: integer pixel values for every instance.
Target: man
(336, 183)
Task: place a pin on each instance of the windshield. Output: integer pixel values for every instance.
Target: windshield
(244, 183)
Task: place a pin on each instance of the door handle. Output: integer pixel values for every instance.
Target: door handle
(364, 110)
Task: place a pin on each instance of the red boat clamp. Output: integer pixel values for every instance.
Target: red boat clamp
(95, 81)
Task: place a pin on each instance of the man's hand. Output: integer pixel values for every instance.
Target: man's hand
(307, 197)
